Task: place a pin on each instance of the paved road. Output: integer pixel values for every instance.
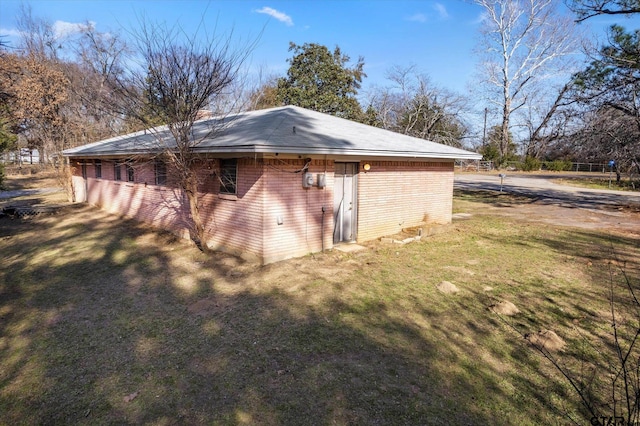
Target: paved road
(543, 189)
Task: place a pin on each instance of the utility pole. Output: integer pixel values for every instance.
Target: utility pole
(484, 131)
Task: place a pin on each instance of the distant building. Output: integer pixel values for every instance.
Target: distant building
(24, 156)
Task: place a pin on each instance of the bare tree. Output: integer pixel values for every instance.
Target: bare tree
(265, 95)
(177, 77)
(586, 9)
(99, 59)
(384, 102)
(609, 134)
(413, 106)
(550, 122)
(37, 36)
(523, 44)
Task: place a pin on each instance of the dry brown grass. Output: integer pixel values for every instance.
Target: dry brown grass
(29, 177)
(105, 321)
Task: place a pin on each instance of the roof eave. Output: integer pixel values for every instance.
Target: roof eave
(257, 149)
(108, 154)
(349, 152)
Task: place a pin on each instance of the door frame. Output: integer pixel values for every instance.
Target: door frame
(348, 177)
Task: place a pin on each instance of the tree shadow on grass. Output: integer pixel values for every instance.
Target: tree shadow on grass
(513, 195)
(104, 322)
(582, 311)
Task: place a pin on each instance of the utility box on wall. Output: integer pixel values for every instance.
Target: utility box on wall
(307, 180)
(322, 180)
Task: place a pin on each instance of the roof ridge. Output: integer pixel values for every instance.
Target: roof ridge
(280, 111)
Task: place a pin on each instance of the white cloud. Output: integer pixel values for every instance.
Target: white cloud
(418, 17)
(280, 16)
(63, 29)
(442, 11)
(9, 32)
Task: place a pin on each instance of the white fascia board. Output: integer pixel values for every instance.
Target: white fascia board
(292, 150)
(299, 150)
(370, 153)
(108, 154)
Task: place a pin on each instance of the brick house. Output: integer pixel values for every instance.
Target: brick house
(276, 183)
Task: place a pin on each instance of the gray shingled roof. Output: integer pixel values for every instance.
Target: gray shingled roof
(285, 130)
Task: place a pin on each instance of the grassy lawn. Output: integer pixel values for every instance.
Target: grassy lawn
(600, 182)
(104, 321)
(29, 177)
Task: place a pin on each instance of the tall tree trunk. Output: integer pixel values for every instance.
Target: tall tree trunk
(506, 103)
(198, 232)
(504, 133)
(64, 176)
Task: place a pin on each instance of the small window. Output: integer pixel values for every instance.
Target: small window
(228, 176)
(160, 168)
(98, 166)
(116, 171)
(130, 175)
(84, 170)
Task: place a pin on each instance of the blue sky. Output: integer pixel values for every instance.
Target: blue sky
(437, 36)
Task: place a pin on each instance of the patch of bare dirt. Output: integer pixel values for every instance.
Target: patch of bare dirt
(546, 339)
(447, 288)
(505, 308)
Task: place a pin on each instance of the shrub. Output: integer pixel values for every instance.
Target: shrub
(531, 164)
(558, 165)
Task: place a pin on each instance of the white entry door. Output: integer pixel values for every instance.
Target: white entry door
(345, 202)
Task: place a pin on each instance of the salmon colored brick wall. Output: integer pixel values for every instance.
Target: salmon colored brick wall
(394, 195)
(234, 224)
(300, 209)
(159, 206)
(391, 196)
(244, 224)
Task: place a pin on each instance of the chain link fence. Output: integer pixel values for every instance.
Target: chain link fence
(486, 166)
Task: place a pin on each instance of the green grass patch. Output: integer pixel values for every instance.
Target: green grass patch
(601, 182)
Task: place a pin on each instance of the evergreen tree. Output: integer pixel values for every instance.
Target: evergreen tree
(321, 80)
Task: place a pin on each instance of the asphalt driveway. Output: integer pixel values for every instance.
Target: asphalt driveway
(540, 199)
(543, 189)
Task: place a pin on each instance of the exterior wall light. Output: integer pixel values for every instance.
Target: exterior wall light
(366, 167)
